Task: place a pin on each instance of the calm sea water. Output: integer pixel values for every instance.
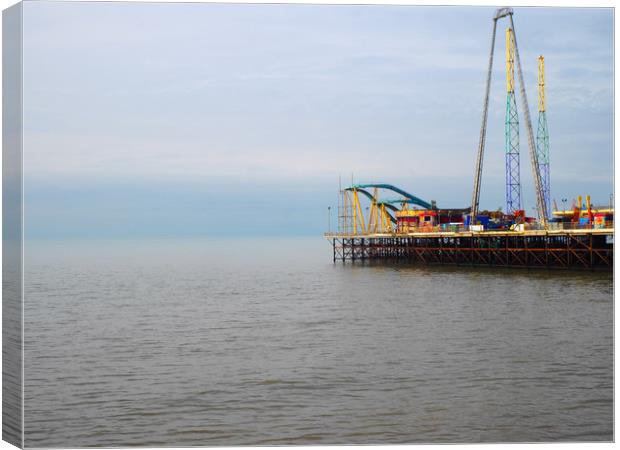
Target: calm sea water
(204, 342)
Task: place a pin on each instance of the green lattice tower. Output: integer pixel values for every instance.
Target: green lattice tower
(542, 136)
(513, 170)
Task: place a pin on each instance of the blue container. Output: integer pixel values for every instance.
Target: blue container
(483, 220)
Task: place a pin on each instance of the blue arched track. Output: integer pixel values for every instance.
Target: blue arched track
(412, 198)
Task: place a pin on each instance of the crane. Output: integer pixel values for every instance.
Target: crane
(540, 203)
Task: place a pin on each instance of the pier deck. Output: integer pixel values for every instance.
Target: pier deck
(565, 249)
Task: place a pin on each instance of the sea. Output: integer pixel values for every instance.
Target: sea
(266, 341)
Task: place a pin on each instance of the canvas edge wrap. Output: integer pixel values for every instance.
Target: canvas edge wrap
(12, 227)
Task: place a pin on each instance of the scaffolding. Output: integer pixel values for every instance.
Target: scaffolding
(350, 216)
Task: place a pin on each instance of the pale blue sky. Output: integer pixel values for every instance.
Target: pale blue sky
(191, 119)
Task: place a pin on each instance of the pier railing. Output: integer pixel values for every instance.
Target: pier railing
(577, 226)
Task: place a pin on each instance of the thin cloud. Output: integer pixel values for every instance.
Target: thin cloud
(287, 92)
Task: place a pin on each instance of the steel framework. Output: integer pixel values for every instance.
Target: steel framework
(542, 136)
(541, 206)
(513, 171)
(559, 250)
(540, 201)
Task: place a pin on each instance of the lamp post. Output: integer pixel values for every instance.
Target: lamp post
(329, 219)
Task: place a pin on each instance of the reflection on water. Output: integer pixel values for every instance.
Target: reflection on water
(204, 342)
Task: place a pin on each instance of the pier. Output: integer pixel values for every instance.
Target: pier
(403, 226)
(556, 249)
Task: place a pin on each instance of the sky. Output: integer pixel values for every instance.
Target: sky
(180, 120)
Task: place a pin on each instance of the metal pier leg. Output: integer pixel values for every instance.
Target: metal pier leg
(363, 256)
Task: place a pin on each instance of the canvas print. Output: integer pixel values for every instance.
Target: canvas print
(306, 224)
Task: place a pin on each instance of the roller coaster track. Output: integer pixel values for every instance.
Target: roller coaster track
(412, 198)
